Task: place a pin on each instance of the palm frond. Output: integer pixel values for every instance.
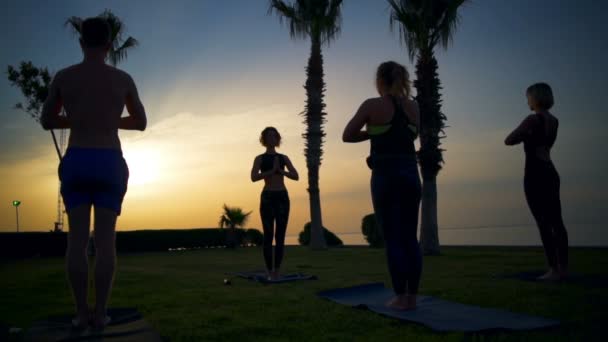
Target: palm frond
(291, 15)
(75, 23)
(407, 16)
(446, 27)
(119, 54)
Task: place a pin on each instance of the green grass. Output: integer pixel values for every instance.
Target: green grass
(182, 294)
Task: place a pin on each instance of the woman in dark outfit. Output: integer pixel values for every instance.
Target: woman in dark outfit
(274, 201)
(538, 132)
(392, 122)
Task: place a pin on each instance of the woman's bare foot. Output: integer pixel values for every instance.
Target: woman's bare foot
(400, 302)
(563, 273)
(551, 275)
(411, 301)
(79, 323)
(100, 322)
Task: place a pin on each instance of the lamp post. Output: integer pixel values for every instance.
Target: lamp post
(16, 204)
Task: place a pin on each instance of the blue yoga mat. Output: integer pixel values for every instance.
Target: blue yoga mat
(435, 313)
(260, 276)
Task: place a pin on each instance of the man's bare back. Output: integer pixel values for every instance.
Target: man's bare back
(94, 95)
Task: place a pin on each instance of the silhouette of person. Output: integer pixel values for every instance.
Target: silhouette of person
(274, 200)
(392, 123)
(538, 132)
(93, 171)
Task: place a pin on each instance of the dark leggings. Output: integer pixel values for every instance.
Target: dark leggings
(541, 185)
(274, 208)
(396, 192)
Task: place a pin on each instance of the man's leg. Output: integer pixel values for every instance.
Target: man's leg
(76, 259)
(105, 260)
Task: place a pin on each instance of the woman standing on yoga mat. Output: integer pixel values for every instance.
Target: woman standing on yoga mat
(538, 132)
(392, 123)
(274, 201)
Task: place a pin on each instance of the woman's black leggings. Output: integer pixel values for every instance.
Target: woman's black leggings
(396, 192)
(274, 209)
(541, 185)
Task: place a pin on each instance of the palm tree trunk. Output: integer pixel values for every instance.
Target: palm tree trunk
(429, 237)
(314, 139)
(430, 155)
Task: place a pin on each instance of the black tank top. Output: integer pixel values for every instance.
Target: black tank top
(539, 137)
(268, 161)
(398, 141)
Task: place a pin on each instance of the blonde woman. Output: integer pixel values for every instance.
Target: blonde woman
(392, 123)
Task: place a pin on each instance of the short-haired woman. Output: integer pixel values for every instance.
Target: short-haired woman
(538, 132)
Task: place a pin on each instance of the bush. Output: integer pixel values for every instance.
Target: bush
(253, 236)
(330, 238)
(372, 232)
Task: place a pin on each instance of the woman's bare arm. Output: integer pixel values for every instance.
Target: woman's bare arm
(256, 175)
(291, 172)
(519, 134)
(353, 131)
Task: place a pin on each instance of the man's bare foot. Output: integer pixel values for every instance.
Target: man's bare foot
(400, 302)
(275, 275)
(551, 275)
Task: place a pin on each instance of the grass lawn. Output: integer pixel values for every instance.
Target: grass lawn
(182, 294)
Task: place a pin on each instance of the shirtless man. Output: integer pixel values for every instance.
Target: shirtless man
(93, 171)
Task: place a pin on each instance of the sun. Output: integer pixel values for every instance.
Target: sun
(144, 166)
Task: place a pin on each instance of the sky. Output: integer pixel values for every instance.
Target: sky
(213, 74)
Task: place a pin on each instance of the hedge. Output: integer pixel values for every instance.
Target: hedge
(54, 244)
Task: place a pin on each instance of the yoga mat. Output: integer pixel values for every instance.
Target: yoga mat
(260, 276)
(586, 280)
(435, 313)
(126, 324)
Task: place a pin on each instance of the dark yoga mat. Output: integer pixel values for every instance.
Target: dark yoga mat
(260, 276)
(435, 313)
(126, 324)
(586, 280)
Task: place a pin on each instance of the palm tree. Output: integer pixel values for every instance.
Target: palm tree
(119, 49)
(233, 217)
(320, 21)
(423, 25)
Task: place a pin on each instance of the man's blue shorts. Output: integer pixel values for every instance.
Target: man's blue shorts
(93, 176)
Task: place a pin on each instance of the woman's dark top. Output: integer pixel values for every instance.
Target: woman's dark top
(268, 161)
(397, 142)
(541, 136)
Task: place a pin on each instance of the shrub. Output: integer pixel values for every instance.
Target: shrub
(372, 232)
(330, 238)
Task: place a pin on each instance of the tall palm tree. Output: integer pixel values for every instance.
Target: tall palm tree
(119, 49)
(319, 21)
(423, 25)
(233, 217)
